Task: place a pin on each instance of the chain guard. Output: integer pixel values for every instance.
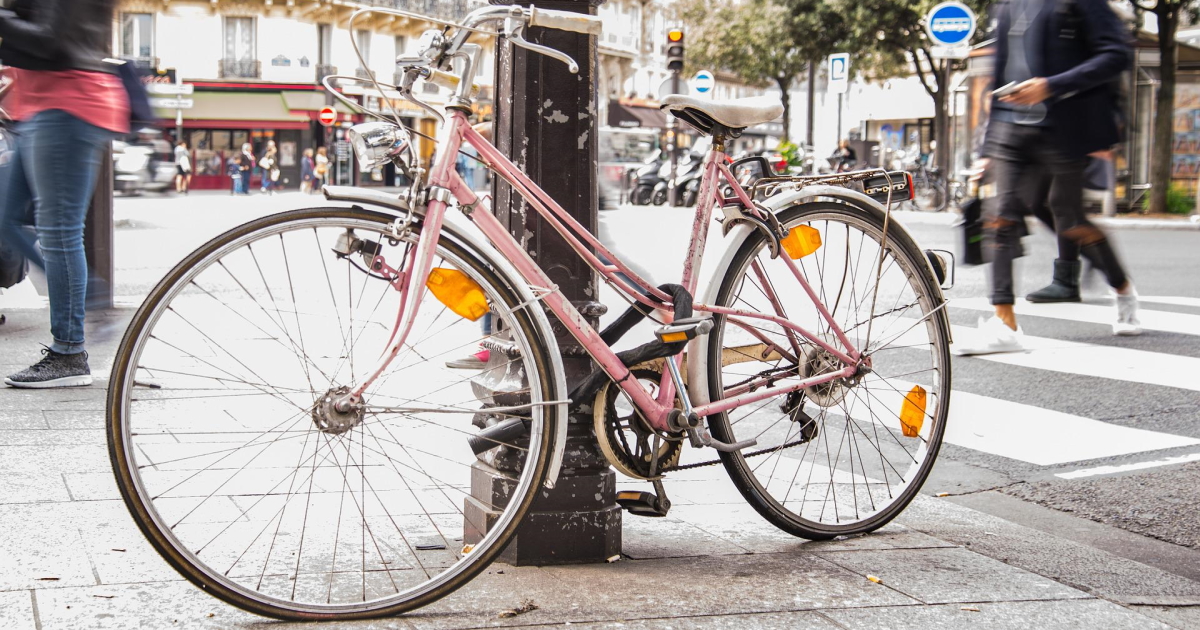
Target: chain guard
(625, 438)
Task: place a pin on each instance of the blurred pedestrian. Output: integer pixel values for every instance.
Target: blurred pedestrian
(269, 164)
(307, 166)
(235, 172)
(1054, 64)
(70, 104)
(844, 156)
(247, 167)
(321, 170)
(183, 168)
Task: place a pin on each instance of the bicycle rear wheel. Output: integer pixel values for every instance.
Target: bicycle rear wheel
(243, 475)
(836, 458)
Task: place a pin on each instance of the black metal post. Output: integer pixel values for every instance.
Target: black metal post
(546, 124)
(673, 147)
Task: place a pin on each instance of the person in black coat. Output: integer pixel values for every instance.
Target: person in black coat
(1054, 104)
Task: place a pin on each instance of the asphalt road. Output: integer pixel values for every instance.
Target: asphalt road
(1100, 430)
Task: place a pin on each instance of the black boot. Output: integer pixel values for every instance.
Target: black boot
(1064, 287)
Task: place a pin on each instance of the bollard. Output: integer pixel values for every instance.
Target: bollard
(543, 114)
(98, 239)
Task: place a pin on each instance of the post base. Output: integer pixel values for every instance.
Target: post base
(573, 524)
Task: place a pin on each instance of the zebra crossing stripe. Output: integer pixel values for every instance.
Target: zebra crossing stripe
(1163, 321)
(1025, 432)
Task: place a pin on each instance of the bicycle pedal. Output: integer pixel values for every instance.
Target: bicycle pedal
(684, 329)
(643, 503)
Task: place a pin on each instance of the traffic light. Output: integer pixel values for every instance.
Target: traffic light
(675, 50)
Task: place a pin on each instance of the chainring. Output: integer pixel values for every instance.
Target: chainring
(625, 438)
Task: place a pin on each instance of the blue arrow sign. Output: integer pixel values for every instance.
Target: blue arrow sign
(950, 24)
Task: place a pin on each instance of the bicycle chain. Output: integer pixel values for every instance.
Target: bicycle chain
(717, 461)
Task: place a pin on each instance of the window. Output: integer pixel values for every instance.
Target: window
(363, 39)
(324, 44)
(137, 35)
(401, 45)
(239, 39)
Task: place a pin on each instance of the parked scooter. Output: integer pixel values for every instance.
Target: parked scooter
(687, 176)
(644, 179)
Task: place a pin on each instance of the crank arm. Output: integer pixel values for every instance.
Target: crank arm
(701, 437)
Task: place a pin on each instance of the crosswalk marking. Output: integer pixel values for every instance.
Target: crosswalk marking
(1072, 357)
(1043, 436)
(1109, 470)
(1172, 300)
(1046, 437)
(1124, 364)
(1164, 321)
(1025, 432)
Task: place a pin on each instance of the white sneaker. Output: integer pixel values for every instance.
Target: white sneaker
(1127, 323)
(993, 336)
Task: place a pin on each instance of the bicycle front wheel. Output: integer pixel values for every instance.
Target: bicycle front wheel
(243, 474)
(845, 456)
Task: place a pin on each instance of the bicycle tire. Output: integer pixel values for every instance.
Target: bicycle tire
(744, 469)
(526, 335)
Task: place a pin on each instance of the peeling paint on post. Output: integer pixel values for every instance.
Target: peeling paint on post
(579, 521)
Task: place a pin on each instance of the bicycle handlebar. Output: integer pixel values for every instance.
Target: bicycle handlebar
(450, 81)
(565, 21)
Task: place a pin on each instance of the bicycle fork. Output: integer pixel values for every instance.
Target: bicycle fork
(417, 268)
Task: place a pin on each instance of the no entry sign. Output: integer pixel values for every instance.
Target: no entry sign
(327, 116)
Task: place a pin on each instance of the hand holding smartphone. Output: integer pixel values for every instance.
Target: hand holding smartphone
(1005, 90)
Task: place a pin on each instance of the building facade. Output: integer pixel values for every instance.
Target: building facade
(257, 65)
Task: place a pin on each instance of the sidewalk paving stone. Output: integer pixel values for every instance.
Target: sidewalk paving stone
(1059, 615)
(942, 576)
(16, 611)
(761, 621)
(640, 589)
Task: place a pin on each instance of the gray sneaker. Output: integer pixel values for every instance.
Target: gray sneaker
(54, 370)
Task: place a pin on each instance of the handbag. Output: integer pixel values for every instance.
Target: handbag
(140, 112)
(970, 232)
(13, 266)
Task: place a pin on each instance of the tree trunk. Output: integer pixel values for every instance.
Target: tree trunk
(784, 86)
(812, 102)
(1164, 114)
(941, 126)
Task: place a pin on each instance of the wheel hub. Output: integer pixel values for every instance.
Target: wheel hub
(329, 419)
(817, 362)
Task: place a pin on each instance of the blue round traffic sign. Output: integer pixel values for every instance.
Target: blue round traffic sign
(950, 24)
(704, 81)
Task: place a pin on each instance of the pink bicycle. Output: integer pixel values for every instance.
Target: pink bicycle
(285, 432)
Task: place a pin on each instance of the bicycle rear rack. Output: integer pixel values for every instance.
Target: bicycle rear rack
(878, 184)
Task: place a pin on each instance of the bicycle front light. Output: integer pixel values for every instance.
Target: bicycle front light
(377, 143)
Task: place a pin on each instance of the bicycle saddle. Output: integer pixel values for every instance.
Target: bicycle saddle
(736, 114)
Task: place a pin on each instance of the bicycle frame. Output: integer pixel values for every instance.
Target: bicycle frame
(444, 183)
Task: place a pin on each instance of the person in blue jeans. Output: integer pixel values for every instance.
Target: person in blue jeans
(69, 105)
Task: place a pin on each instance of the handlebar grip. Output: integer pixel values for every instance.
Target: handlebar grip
(565, 21)
(449, 81)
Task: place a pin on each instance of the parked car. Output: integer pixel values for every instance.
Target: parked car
(142, 163)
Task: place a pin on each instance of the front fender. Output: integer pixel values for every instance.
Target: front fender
(466, 236)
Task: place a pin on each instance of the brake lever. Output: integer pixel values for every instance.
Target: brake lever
(516, 38)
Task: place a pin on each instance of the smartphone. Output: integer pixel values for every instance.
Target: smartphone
(1005, 90)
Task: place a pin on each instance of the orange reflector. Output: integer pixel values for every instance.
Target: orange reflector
(801, 241)
(673, 337)
(458, 292)
(912, 411)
